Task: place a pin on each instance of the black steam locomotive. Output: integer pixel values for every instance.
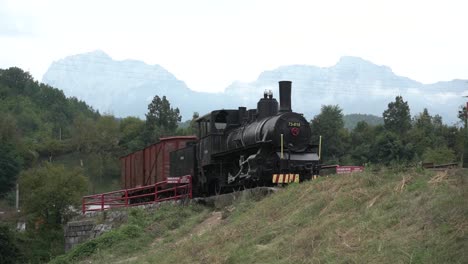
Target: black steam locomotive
(256, 147)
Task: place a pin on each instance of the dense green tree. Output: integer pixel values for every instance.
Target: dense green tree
(397, 117)
(161, 119)
(8, 128)
(440, 155)
(424, 121)
(362, 139)
(10, 165)
(107, 137)
(329, 124)
(84, 135)
(422, 134)
(9, 251)
(16, 78)
(131, 129)
(51, 191)
(388, 147)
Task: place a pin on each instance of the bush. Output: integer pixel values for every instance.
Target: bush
(51, 191)
(439, 155)
(9, 252)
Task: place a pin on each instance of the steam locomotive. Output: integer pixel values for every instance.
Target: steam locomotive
(244, 148)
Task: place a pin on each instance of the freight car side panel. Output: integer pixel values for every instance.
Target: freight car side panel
(138, 169)
(131, 167)
(151, 164)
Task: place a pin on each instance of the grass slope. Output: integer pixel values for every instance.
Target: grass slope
(373, 217)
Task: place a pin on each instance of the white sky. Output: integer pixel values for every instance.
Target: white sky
(211, 43)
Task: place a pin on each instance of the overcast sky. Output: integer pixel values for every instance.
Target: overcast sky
(211, 43)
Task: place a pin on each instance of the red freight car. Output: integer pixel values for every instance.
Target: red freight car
(151, 164)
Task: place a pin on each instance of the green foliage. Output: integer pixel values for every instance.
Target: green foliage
(397, 117)
(161, 119)
(362, 138)
(41, 244)
(351, 120)
(329, 124)
(49, 192)
(388, 147)
(84, 134)
(131, 134)
(8, 128)
(439, 156)
(17, 79)
(10, 165)
(9, 251)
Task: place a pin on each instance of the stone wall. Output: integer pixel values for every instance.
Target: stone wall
(92, 225)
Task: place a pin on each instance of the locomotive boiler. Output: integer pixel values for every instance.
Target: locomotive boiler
(265, 146)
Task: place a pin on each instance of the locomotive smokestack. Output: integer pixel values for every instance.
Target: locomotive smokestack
(285, 96)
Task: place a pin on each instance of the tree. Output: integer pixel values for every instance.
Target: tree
(51, 191)
(84, 135)
(16, 78)
(161, 119)
(362, 138)
(439, 155)
(329, 124)
(9, 251)
(388, 147)
(107, 129)
(10, 165)
(397, 117)
(422, 134)
(8, 128)
(131, 129)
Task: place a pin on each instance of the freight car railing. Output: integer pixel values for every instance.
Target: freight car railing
(175, 188)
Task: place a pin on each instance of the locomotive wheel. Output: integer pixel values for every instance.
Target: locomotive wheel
(215, 188)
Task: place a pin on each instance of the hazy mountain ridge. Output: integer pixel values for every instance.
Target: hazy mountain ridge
(124, 88)
(357, 85)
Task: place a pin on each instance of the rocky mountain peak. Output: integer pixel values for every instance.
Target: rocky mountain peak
(125, 87)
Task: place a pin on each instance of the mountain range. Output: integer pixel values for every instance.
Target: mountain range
(125, 88)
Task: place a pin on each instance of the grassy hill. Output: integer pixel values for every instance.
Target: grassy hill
(374, 217)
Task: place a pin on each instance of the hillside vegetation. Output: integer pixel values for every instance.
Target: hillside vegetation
(351, 120)
(385, 216)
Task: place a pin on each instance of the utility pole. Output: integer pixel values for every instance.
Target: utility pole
(465, 138)
(17, 198)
